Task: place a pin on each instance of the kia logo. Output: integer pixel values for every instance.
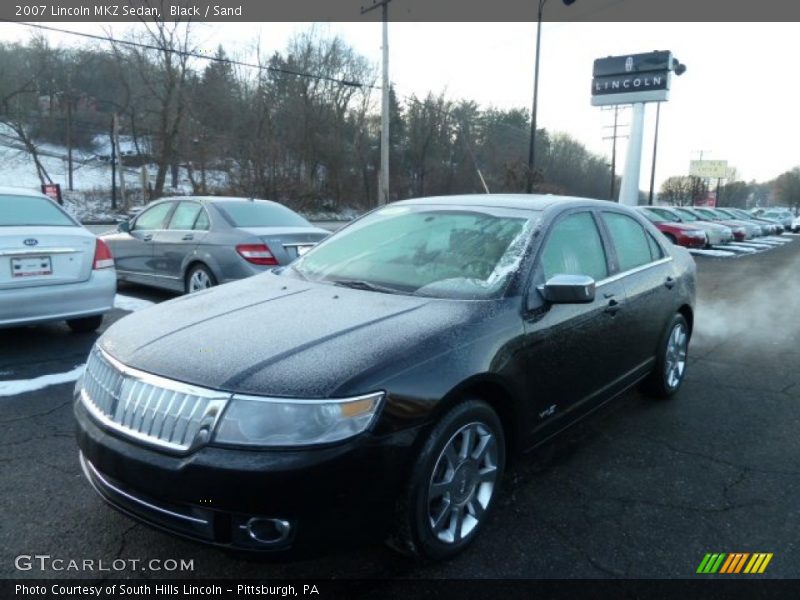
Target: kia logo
(31, 242)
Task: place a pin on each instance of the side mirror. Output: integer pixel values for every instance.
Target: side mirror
(124, 227)
(568, 289)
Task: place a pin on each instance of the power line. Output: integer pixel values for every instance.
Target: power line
(197, 55)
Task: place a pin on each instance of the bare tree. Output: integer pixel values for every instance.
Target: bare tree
(18, 80)
(161, 64)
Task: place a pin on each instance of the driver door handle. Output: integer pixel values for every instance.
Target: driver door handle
(612, 307)
(147, 237)
(187, 237)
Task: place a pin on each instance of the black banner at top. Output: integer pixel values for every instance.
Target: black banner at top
(399, 10)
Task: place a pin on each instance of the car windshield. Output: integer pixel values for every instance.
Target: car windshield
(18, 211)
(653, 216)
(661, 216)
(438, 251)
(686, 215)
(260, 213)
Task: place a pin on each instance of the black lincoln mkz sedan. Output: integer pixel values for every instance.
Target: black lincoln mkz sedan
(377, 387)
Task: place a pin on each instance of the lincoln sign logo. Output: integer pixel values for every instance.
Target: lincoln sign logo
(631, 82)
(629, 64)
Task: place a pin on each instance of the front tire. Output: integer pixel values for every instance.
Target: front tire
(670, 368)
(199, 278)
(85, 324)
(453, 484)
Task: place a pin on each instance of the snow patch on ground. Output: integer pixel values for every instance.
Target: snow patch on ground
(130, 303)
(712, 252)
(736, 249)
(752, 245)
(13, 387)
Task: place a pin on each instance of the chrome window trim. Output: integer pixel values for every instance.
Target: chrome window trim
(40, 251)
(633, 271)
(88, 466)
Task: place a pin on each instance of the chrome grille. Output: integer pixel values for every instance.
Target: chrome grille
(151, 409)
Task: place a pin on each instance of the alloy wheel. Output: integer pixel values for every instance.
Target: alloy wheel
(675, 363)
(199, 280)
(463, 483)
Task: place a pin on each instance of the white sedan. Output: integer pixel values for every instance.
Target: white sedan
(51, 267)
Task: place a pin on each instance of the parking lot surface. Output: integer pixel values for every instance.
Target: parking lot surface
(644, 489)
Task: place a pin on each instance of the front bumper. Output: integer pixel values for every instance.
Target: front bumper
(328, 497)
(692, 242)
(38, 304)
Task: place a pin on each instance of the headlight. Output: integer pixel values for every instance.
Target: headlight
(260, 421)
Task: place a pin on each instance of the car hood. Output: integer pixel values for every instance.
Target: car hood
(273, 335)
(683, 226)
(709, 226)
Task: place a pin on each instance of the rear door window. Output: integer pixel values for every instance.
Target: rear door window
(574, 247)
(630, 240)
(153, 218)
(185, 216)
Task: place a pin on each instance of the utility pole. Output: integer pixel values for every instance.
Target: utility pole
(532, 145)
(113, 168)
(115, 128)
(655, 151)
(614, 138)
(69, 140)
(383, 192)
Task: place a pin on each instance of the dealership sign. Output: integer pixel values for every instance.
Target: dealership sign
(631, 79)
(709, 169)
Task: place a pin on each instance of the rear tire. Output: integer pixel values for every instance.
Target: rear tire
(199, 278)
(671, 360)
(85, 324)
(453, 485)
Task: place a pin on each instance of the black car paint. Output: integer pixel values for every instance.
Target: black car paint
(541, 366)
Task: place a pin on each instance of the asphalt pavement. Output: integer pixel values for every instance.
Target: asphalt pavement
(644, 489)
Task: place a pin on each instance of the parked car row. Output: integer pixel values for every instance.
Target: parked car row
(704, 227)
(782, 215)
(53, 269)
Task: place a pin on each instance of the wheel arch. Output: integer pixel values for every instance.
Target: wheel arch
(497, 394)
(197, 261)
(688, 314)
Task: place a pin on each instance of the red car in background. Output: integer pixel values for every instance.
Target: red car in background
(680, 234)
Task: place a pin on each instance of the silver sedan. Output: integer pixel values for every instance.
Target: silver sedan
(51, 268)
(191, 243)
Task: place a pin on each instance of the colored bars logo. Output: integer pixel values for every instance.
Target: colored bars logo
(736, 562)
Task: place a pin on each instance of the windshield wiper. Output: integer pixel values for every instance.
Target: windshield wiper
(359, 284)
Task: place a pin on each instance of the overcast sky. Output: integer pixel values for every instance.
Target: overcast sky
(738, 99)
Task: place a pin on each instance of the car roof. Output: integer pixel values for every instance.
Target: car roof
(536, 202)
(214, 199)
(7, 190)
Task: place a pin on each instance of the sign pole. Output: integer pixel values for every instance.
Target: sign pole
(629, 190)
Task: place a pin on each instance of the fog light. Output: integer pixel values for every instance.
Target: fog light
(268, 531)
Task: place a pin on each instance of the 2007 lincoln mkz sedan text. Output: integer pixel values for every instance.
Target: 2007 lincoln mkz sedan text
(377, 387)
